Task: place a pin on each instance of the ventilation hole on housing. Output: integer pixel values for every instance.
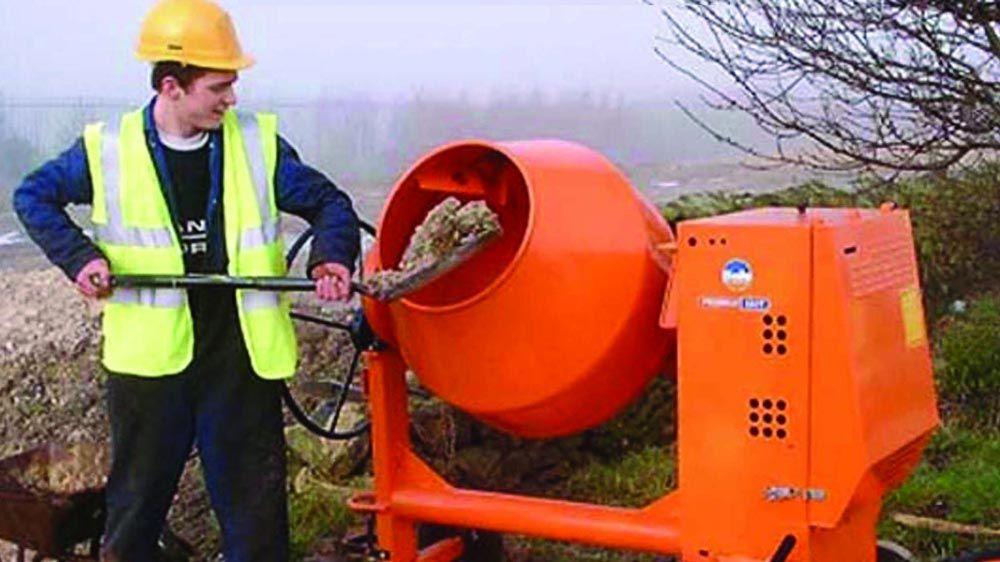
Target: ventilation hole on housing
(782, 335)
(754, 431)
(767, 432)
(768, 418)
(782, 350)
(782, 321)
(754, 417)
(723, 241)
(768, 320)
(780, 419)
(782, 434)
(754, 403)
(782, 405)
(768, 334)
(692, 241)
(767, 404)
(711, 241)
(768, 348)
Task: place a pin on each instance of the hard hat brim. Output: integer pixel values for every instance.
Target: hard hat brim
(240, 63)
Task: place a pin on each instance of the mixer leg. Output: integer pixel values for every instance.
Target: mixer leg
(478, 545)
(390, 436)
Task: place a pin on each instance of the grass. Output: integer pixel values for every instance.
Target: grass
(635, 480)
(639, 478)
(958, 480)
(318, 510)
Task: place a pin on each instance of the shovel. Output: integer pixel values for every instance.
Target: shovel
(405, 284)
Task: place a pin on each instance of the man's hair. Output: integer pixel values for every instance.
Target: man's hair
(185, 74)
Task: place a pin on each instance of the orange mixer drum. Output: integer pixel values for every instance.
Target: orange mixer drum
(552, 328)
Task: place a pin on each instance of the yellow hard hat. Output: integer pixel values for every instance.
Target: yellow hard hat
(195, 32)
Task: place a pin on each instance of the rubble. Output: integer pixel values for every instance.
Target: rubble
(43, 316)
(63, 470)
(446, 227)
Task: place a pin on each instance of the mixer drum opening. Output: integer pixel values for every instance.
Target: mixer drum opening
(467, 172)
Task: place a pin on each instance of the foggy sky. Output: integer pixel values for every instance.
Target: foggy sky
(383, 48)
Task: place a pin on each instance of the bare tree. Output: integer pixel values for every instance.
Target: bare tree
(870, 84)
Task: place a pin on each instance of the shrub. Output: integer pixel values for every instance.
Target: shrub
(968, 364)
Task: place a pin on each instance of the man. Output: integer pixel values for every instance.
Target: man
(186, 185)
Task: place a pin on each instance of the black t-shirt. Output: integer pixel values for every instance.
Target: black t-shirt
(213, 310)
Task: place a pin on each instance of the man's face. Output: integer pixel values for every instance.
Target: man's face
(206, 99)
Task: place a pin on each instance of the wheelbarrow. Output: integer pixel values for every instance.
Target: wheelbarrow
(52, 505)
(52, 519)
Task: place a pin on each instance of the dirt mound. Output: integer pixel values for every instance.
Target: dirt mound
(42, 316)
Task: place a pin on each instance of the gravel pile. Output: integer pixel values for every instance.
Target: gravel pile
(42, 316)
(49, 374)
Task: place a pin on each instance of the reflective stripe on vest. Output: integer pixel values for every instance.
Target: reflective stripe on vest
(256, 300)
(115, 231)
(158, 298)
(267, 232)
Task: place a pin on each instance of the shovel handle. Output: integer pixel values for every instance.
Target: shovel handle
(411, 281)
(226, 281)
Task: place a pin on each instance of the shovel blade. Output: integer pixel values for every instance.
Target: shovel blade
(419, 277)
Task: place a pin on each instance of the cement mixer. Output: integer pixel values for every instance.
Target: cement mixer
(797, 337)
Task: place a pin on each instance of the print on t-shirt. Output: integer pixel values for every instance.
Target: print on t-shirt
(194, 237)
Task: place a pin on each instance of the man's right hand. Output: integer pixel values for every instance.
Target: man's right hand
(94, 280)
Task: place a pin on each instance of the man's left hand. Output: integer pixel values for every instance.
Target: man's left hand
(333, 281)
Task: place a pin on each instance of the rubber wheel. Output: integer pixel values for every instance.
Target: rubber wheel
(480, 546)
(990, 554)
(888, 551)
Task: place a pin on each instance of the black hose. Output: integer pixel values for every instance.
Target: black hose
(307, 422)
(320, 320)
(313, 427)
(300, 241)
(293, 406)
(303, 238)
(345, 390)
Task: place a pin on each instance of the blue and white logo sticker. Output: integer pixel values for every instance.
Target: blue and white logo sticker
(737, 275)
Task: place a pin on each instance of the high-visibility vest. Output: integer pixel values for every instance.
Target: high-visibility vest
(149, 332)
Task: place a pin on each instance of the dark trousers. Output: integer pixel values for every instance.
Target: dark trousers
(235, 419)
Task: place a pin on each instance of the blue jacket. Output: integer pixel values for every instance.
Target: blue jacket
(41, 199)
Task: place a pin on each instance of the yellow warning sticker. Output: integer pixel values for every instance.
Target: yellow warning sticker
(913, 317)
